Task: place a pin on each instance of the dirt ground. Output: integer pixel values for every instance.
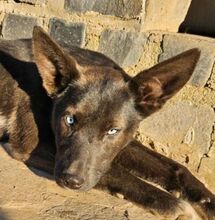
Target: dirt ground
(27, 196)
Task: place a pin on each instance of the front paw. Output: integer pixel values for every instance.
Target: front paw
(207, 206)
(15, 154)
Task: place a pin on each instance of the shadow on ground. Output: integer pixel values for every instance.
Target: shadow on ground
(3, 216)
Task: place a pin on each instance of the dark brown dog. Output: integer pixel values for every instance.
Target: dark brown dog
(91, 108)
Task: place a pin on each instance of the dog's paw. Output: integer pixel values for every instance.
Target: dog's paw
(187, 212)
(206, 207)
(14, 154)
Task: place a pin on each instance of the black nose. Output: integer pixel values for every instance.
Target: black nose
(72, 181)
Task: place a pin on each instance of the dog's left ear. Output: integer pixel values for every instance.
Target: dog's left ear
(153, 87)
(56, 67)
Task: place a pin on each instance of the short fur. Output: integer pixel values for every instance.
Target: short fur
(41, 84)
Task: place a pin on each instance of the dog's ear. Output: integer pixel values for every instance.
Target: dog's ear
(56, 67)
(153, 87)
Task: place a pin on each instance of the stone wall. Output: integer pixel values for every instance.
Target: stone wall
(137, 34)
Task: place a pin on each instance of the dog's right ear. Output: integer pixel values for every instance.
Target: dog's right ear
(56, 67)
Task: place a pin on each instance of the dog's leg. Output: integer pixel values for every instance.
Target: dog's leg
(119, 180)
(172, 176)
(22, 131)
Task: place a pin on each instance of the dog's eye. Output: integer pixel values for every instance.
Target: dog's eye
(70, 119)
(112, 131)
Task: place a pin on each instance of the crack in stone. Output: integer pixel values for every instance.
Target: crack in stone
(149, 39)
(211, 81)
(161, 47)
(24, 2)
(206, 155)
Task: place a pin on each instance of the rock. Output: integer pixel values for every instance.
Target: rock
(18, 26)
(181, 130)
(125, 48)
(165, 15)
(174, 44)
(67, 33)
(125, 8)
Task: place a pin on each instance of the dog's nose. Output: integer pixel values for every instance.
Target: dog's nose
(72, 181)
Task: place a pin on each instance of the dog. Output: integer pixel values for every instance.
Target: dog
(73, 112)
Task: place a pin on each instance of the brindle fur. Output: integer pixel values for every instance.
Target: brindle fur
(74, 81)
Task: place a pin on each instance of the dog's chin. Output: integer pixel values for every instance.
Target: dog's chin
(85, 186)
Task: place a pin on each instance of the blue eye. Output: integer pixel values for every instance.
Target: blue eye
(70, 119)
(112, 131)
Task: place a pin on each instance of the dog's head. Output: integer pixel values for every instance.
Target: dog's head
(97, 107)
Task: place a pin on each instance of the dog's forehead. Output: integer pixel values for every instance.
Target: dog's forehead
(103, 91)
(101, 75)
(103, 95)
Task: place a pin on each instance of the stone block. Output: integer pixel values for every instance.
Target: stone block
(18, 26)
(67, 33)
(182, 129)
(174, 44)
(125, 8)
(165, 15)
(125, 48)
